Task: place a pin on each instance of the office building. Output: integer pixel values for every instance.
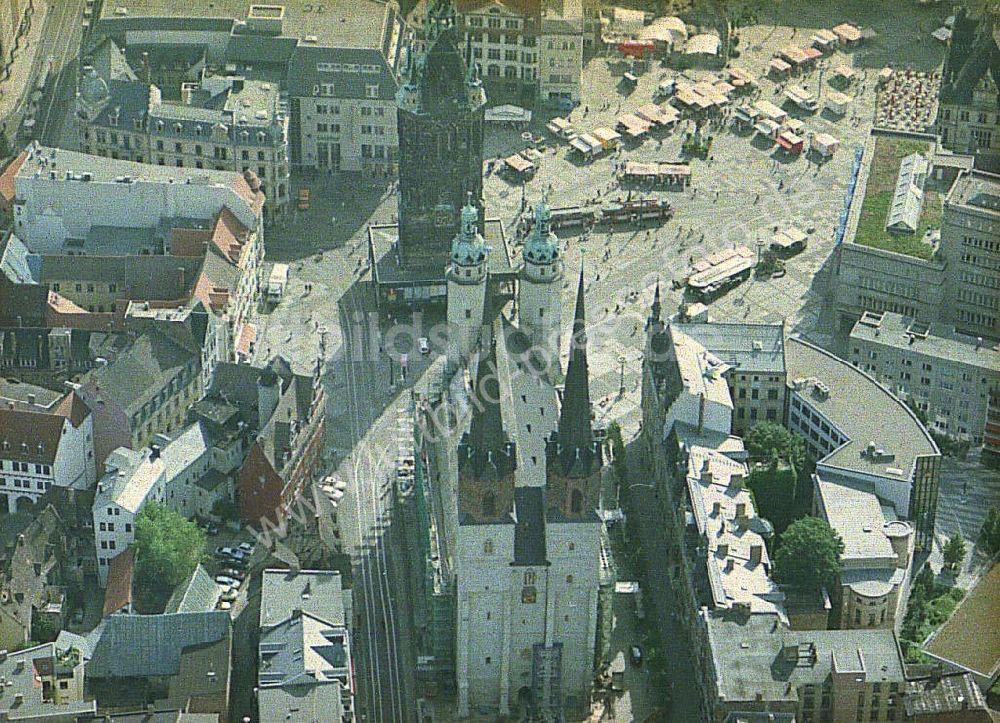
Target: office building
(885, 450)
(334, 63)
(947, 376)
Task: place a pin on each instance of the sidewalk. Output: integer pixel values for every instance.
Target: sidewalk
(15, 90)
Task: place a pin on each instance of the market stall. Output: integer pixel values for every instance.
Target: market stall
(824, 144)
(519, 167)
(560, 127)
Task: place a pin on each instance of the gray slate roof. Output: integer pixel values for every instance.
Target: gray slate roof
(138, 646)
(317, 592)
(747, 347)
(529, 530)
(197, 594)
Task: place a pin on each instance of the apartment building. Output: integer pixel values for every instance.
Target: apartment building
(305, 646)
(46, 440)
(970, 251)
(334, 65)
(145, 391)
(221, 122)
(65, 201)
(946, 375)
(755, 668)
(968, 113)
(526, 50)
(877, 558)
(132, 479)
(45, 683)
(560, 60)
(886, 450)
(755, 355)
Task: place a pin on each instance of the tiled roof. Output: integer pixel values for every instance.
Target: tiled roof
(139, 646)
(198, 593)
(73, 408)
(529, 529)
(141, 371)
(7, 177)
(30, 436)
(118, 594)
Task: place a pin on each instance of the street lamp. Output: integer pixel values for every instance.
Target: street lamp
(621, 384)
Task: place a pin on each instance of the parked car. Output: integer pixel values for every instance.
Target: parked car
(635, 653)
(228, 581)
(224, 605)
(233, 573)
(233, 553)
(246, 548)
(424, 345)
(228, 595)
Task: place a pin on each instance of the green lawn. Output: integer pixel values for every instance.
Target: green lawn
(878, 196)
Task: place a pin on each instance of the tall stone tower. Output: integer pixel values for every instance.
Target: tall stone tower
(440, 113)
(466, 278)
(573, 457)
(539, 292)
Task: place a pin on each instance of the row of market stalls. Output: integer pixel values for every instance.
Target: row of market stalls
(638, 125)
(657, 174)
(770, 121)
(596, 142)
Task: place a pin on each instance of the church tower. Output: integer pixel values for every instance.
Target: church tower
(539, 292)
(486, 456)
(573, 457)
(466, 278)
(440, 114)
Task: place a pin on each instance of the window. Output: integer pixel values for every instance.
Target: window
(489, 505)
(576, 502)
(128, 527)
(197, 150)
(488, 660)
(371, 91)
(529, 577)
(488, 547)
(755, 394)
(569, 579)
(772, 394)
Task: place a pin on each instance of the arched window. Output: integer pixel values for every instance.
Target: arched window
(489, 505)
(488, 547)
(576, 502)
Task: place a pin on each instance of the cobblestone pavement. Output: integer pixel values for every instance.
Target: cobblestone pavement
(967, 490)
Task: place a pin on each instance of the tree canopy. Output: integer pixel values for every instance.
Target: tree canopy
(809, 554)
(769, 441)
(954, 551)
(989, 534)
(168, 547)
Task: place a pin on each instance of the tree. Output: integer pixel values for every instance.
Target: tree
(954, 551)
(774, 492)
(168, 547)
(809, 554)
(769, 441)
(989, 534)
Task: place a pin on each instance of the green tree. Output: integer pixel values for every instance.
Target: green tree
(774, 492)
(954, 551)
(769, 441)
(924, 581)
(989, 534)
(168, 547)
(809, 554)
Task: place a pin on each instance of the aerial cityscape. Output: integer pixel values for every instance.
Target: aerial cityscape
(542, 361)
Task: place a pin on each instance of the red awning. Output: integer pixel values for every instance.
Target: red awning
(634, 49)
(785, 143)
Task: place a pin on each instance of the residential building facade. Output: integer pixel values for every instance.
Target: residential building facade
(132, 479)
(334, 63)
(755, 355)
(225, 123)
(968, 111)
(44, 443)
(560, 60)
(947, 376)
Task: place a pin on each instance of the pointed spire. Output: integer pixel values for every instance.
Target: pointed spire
(485, 446)
(654, 310)
(575, 431)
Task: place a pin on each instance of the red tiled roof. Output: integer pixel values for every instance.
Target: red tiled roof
(7, 190)
(119, 591)
(248, 335)
(254, 198)
(73, 408)
(30, 436)
(188, 241)
(229, 234)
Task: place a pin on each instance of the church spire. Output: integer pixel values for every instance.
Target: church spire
(654, 310)
(576, 435)
(485, 452)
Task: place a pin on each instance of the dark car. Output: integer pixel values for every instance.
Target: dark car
(635, 654)
(233, 573)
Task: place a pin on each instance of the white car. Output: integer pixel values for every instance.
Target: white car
(423, 345)
(224, 605)
(245, 547)
(228, 582)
